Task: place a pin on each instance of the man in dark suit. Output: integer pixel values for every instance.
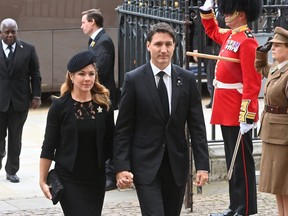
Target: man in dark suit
(150, 147)
(103, 47)
(20, 88)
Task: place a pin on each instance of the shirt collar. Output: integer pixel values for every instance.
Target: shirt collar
(93, 36)
(156, 70)
(5, 46)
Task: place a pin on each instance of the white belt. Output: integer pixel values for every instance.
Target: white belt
(221, 85)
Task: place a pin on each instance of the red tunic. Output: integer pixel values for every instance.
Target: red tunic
(230, 106)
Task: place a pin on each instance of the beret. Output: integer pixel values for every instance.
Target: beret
(280, 35)
(81, 60)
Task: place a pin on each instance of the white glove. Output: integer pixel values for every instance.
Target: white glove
(208, 5)
(244, 127)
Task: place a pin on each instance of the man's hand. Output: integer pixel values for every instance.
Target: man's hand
(36, 103)
(208, 5)
(266, 47)
(201, 178)
(244, 127)
(124, 179)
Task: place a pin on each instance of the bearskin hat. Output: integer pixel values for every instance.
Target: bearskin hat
(252, 8)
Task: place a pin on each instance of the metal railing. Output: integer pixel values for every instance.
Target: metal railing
(136, 16)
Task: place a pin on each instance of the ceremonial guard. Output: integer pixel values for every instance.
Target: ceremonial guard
(237, 86)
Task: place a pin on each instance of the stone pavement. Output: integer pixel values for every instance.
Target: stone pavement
(214, 198)
(26, 198)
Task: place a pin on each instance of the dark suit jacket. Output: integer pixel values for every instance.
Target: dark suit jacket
(142, 134)
(61, 137)
(105, 59)
(23, 81)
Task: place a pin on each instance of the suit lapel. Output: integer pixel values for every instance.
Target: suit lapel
(276, 74)
(2, 56)
(99, 35)
(17, 52)
(177, 81)
(92, 43)
(152, 89)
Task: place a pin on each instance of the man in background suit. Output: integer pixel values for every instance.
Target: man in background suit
(20, 88)
(150, 147)
(103, 47)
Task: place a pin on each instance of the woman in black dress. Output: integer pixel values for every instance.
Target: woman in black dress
(78, 137)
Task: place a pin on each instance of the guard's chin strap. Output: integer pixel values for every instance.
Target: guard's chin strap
(232, 17)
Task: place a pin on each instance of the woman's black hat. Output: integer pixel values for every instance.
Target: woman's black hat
(81, 60)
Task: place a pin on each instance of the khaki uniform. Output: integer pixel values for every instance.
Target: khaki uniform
(274, 127)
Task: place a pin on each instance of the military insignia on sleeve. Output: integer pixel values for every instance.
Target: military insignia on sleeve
(246, 116)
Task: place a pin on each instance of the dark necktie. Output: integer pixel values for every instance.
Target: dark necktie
(163, 94)
(10, 54)
(89, 42)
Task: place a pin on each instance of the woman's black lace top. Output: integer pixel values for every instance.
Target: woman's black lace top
(85, 110)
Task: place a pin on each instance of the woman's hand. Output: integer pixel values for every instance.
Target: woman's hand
(45, 189)
(124, 179)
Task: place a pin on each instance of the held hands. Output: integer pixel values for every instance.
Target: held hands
(124, 179)
(207, 5)
(244, 127)
(266, 47)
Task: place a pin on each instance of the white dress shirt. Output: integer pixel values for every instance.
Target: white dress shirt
(166, 78)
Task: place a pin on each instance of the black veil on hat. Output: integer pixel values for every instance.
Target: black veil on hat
(252, 8)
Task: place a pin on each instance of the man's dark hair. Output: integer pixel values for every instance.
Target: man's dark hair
(96, 15)
(163, 28)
